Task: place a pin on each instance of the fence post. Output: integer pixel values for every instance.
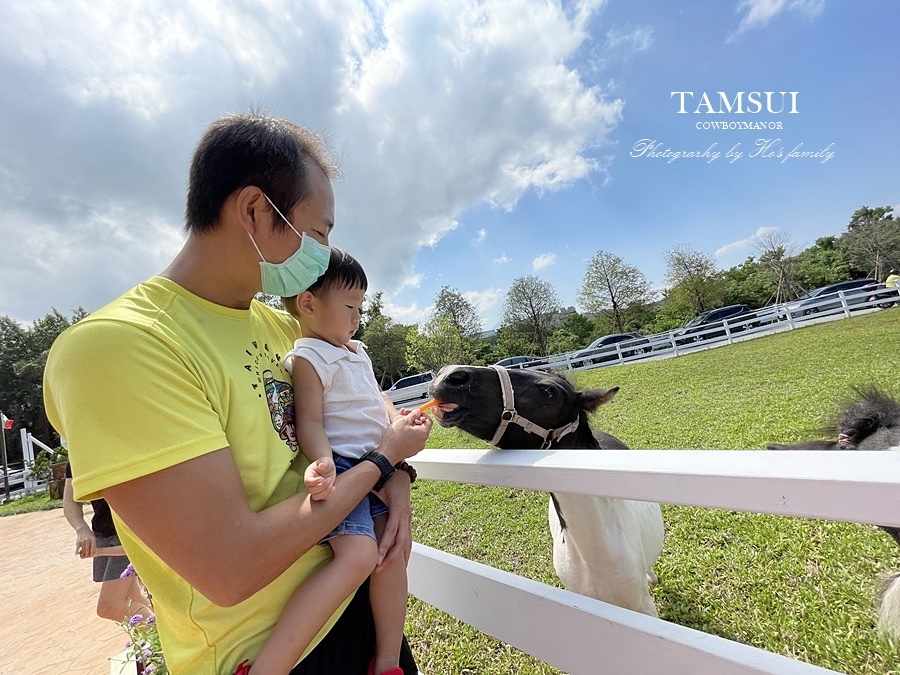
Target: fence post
(28, 458)
(844, 304)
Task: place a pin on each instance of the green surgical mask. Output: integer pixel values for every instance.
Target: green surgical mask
(297, 273)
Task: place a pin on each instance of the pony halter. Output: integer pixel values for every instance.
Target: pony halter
(510, 415)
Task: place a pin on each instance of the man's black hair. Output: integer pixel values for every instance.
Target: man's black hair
(252, 149)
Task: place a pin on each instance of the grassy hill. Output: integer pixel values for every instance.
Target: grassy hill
(796, 587)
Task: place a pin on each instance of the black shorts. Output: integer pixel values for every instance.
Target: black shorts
(350, 644)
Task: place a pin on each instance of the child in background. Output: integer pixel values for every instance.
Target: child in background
(339, 419)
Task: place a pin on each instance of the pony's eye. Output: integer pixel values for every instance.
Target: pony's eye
(548, 392)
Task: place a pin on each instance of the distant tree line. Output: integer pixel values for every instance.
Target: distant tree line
(615, 297)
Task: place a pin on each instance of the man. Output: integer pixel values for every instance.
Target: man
(892, 279)
(179, 413)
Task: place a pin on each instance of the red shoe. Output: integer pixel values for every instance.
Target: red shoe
(371, 671)
(244, 668)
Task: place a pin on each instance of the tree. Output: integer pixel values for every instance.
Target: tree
(746, 284)
(531, 309)
(694, 280)
(578, 326)
(438, 343)
(461, 313)
(822, 263)
(777, 262)
(611, 286)
(272, 301)
(386, 342)
(872, 240)
(23, 356)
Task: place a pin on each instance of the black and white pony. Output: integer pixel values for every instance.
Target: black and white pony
(603, 548)
(871, 421)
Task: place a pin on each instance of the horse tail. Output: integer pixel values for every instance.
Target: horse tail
(889, 606)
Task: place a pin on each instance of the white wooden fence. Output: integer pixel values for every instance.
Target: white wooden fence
(758, 322)
(583, 636)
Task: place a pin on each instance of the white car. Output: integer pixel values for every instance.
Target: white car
(412, 388)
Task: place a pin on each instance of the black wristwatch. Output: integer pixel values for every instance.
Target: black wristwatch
(384, 465)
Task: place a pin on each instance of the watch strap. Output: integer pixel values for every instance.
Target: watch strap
(384, 465)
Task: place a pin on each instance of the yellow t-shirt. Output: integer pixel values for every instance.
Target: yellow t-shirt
(161, 376)
(892, 281)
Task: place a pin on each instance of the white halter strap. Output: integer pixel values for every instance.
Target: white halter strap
(510, 415)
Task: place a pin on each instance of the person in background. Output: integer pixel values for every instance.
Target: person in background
(119, 598)
(892, 279)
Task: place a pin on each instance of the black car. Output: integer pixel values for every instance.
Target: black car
(608, 347)
(514, 362)
(827, 298)
(711, 324)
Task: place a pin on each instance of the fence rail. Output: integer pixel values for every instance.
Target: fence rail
(575, 633)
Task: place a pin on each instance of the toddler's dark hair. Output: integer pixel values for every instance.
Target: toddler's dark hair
(344, 271)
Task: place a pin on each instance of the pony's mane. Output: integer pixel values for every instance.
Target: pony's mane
(871, 408)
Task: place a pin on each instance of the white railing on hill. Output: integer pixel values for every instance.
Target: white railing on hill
(756, 323)
(583, 636)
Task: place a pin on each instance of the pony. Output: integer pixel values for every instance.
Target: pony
(869, 421)
(603, 548)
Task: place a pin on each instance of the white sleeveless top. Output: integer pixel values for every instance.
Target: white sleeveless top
(355, 416)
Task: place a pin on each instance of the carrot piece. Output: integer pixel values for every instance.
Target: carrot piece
(425, 406)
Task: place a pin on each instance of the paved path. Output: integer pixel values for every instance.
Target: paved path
(48, 624)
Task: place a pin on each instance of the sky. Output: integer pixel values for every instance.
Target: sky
(479, 142)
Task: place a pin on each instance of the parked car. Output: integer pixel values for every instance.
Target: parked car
(827, 298)
(695, 329)
(514, 362)
(605, 349)
(411, 388)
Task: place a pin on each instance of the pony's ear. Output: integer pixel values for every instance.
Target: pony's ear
(591, 399)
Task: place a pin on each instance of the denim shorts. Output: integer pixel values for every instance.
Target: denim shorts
(360, 520)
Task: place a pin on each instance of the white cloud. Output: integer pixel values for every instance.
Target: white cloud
(113, 95)
(480, 235)
(406, 314)
(411, 281)
(543, 261)
(502, 259)
(760, 12)
(637, 40)
(487, 300)
(743, 244)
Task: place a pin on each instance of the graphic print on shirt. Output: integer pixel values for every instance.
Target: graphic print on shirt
(279, 394)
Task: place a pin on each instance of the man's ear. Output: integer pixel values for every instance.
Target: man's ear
(251, 208)
(306, 302)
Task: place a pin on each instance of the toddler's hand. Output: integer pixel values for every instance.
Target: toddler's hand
(418, 416)
(319, 478)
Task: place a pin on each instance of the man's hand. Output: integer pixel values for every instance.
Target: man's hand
(406, 436)
(85, 544)
(396, 540)
(319, 478)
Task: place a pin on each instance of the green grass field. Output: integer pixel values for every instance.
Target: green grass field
(796, 587)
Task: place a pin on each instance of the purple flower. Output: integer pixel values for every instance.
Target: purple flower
(128, 645)
(149, 668)
(129, 572)
(135, 620)
(151, 619)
